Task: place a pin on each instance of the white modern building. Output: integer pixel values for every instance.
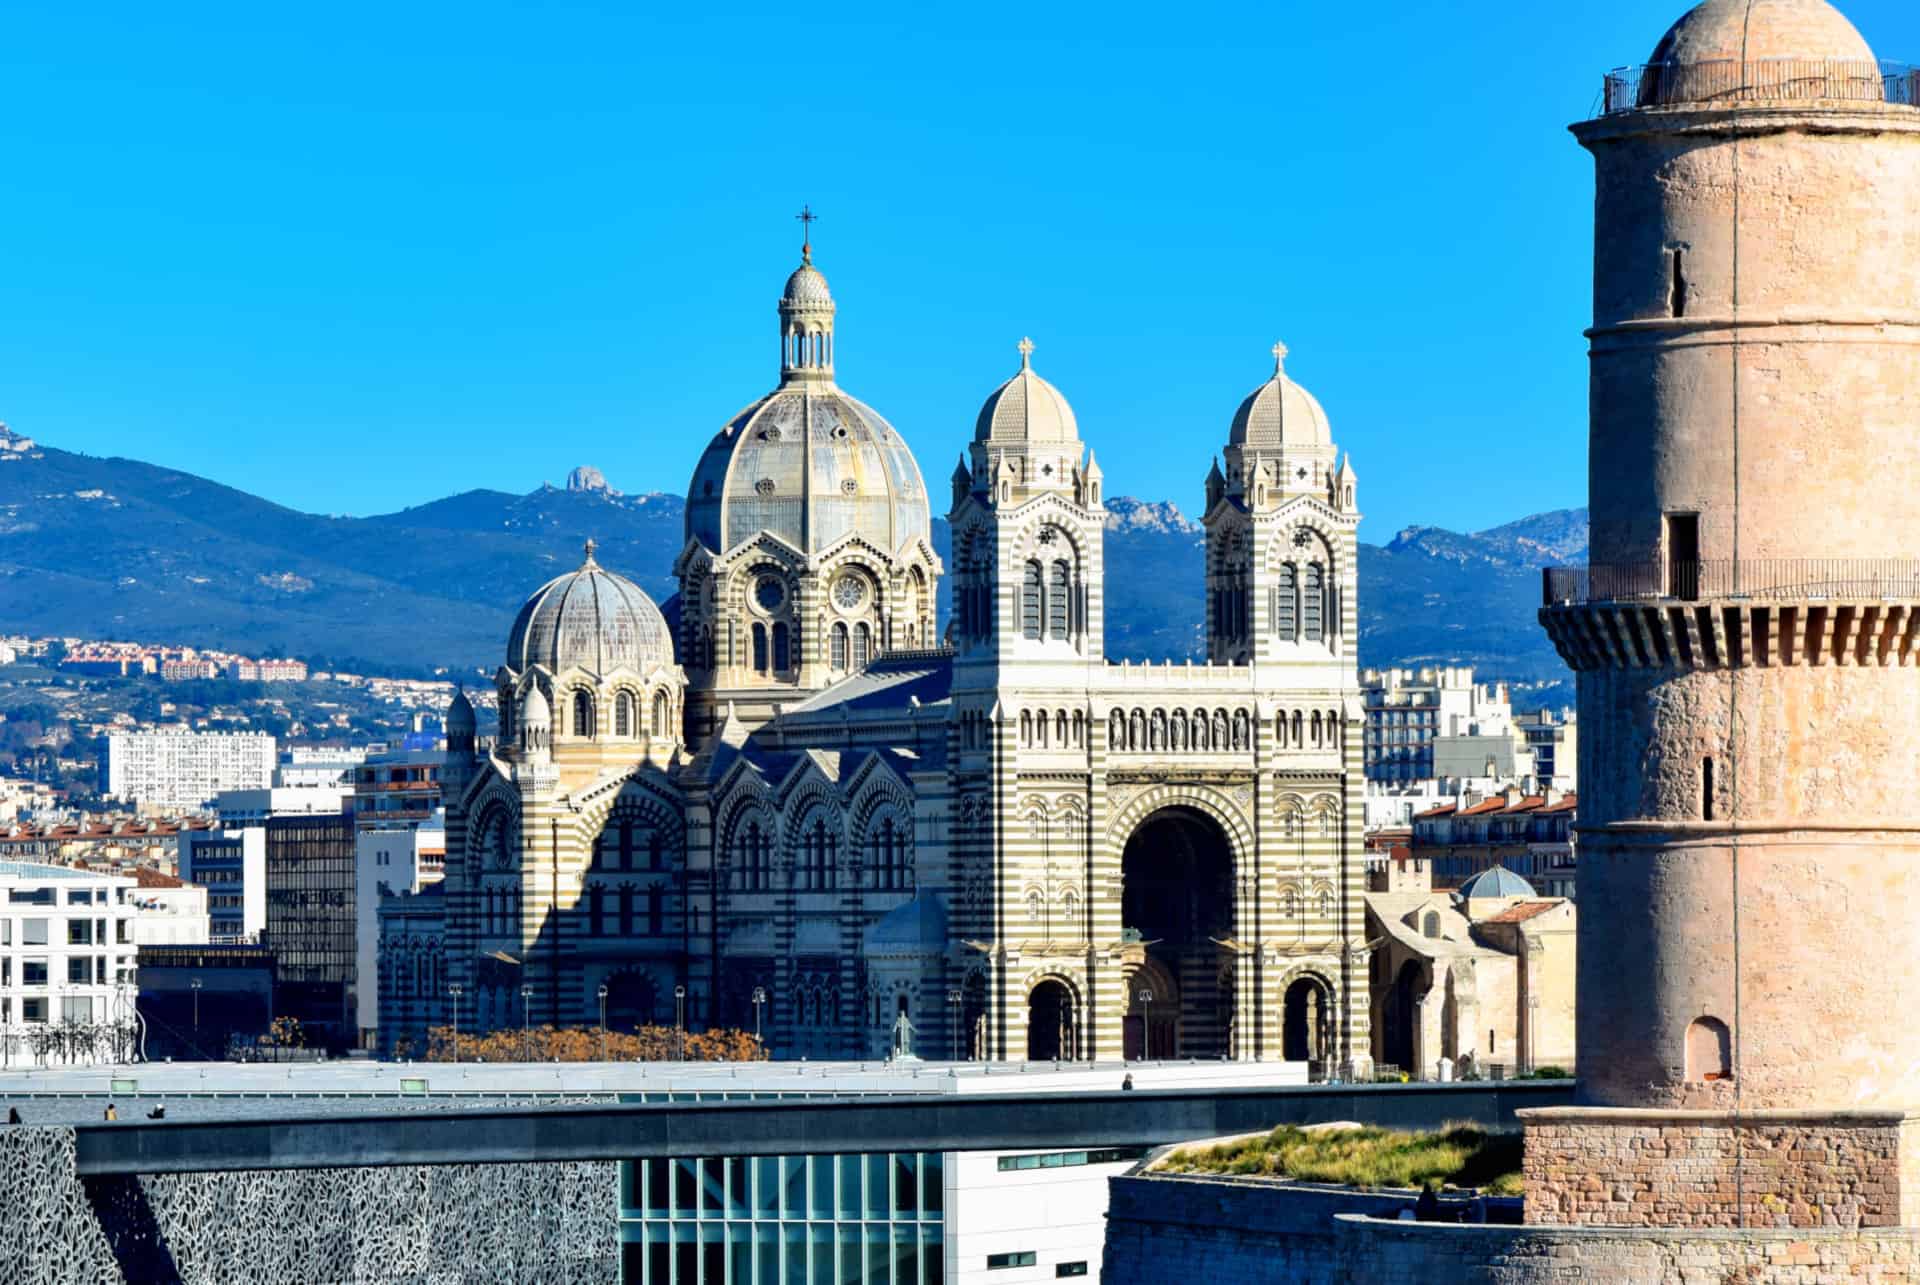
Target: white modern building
(329, 765)
(399, 859)
(231, 865)
(67, 949)
(170, 911)
(176, 769)
(255, 806)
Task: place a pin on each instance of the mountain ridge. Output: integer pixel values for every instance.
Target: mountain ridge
(115, 547)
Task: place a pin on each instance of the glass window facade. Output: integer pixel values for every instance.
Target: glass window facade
(874, 1219)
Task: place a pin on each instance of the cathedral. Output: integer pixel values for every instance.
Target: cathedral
(803, 809)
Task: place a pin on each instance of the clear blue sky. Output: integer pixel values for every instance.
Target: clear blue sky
(357, 256)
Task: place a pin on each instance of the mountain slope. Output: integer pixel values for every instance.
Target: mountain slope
(118, 548)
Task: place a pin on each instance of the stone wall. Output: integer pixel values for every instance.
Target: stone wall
(1625, 1168)
(1163, 1229)
(452, 1223)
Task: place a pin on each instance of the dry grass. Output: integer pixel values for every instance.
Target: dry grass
(1458, 1155)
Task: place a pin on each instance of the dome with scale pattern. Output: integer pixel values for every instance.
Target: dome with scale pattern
(592, 619)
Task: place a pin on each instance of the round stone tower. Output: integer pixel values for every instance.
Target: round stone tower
(1744, 638)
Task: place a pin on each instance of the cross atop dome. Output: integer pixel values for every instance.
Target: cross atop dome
(591, 545)
(1279, 358)
(1026, 353)
(807, 219)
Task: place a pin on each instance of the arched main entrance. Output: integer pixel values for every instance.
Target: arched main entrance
(1306, 1023)
(1051, 1029)
(1177, 896)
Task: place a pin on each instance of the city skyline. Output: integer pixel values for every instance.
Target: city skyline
(472, 239)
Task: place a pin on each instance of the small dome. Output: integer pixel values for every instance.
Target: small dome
(460, 717)
(1497, 883)
(1280, 413)
(1026, 409)
(591, 618)
(807, 288)
(916, 926)
(1755, 30)
(534, 710)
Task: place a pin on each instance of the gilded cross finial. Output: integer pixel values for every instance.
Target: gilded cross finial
(592, 544)
(1279, 358)
(807, 219)
(1026, 354)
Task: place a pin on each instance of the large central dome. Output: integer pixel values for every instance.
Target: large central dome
(807, 463)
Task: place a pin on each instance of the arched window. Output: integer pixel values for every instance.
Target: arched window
(1280, 729)
(1316, 729)
(662, 716)
(596, 911)
(862, 645)
(820, 851)
(582, 714)
(753, 858)
(1286, 596)
(656, 910)
(1430, 926)
(759, 648)
(1030, 594)
(626, 910)
(1059, 598)
(623, 714)
(837, 643)
(1326, 904)
(1313, 603)
(1299, 730)
(1709, 1050)
(1026, 728)
(782, 657)
(1289, 904)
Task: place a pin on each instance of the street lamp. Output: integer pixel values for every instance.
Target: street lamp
(526, 1035)
(195, 984)
(680, 1023)
(1146, 1024)
(454, 990)
(603, 1021)
(759, 998)
(953, 1022)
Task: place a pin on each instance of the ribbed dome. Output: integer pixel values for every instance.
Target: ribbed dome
(807, 288)
(534, 710)
(1280, 413)
(808, 463)
(1752, 30)
(591, 618)
(1026, 409)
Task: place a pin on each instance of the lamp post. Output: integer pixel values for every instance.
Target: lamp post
(526, 1032)
(603, 1021)
(680, 1023)
(759, 998)
(1146, 1024)
(953, 1022)
(454, 991)
(195, 984)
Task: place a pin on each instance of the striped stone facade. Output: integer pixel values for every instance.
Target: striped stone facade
(1023, 850)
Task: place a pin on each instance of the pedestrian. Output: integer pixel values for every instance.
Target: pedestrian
(1427, 1208)
(111, 1113)
(13, 1115)
(1128, 1082)
(158, 1113)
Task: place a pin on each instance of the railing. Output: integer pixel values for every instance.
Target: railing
(1757, 579)
(1671, 84)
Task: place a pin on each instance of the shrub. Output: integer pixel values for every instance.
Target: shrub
(1460, 1155)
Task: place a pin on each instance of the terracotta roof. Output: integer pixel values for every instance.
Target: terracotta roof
(1485, 806)
(1521, 913)
(146, 878)
(1445, 809)
(1566, 804)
